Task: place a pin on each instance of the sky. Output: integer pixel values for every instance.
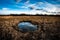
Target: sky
(49, 7)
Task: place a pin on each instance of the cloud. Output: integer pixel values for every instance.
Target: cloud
(27, 2)
(48, 9)
(27, 6)
(7, 11)
(41, 5)
(4, 11)
(36, 8)
(17, 1)
(52, 9)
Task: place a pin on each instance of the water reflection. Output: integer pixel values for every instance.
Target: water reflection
(27, 26)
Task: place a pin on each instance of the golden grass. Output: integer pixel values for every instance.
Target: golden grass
(48, 28)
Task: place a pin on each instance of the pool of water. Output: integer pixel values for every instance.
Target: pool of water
(27, 26)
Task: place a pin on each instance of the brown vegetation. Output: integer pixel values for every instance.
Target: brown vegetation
(48, 28)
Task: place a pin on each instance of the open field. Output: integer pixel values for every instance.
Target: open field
(48, 28)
